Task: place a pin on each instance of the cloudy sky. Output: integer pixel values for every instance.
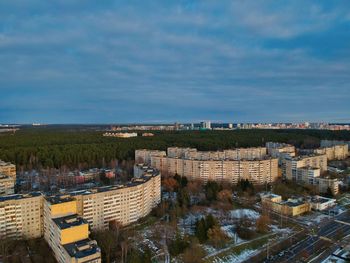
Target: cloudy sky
(84, 61)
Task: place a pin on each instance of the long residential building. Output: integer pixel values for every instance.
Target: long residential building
(335, 152)
(64, 220)
(122, 204)
(229, 165)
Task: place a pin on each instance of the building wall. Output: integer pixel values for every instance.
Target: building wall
(124, 206)
(257, 171)
(290, 165)
(21, 218)
(7, 185)
(8, 169)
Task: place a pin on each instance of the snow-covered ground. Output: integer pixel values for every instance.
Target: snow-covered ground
(241, 213)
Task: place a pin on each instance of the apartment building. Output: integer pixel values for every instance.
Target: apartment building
(21, 216)
(232, 154)
(328, 143)
(290, 165)
(291, 207)
(229, 165)
(122, 204)
(7, 185)
(67, 233)
(312, 176)
(144, 156)
(335, 152)
(8, 169)
(280, 150)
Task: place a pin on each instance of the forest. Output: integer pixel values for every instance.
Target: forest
(47, 148)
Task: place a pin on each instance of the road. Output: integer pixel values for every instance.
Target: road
(322, 237)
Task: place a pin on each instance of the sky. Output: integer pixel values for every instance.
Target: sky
(84, 61)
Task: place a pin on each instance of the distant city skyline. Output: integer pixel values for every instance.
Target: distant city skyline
(186, 61)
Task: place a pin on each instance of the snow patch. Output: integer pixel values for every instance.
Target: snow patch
(241, 213)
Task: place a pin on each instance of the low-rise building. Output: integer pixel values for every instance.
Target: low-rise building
(291, 207)
(120, 134)
(320, 203)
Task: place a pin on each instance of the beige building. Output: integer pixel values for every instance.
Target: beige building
(144, 156)
(291, 207)
(123, 204)
(335, 152)
(21, 216)
(290, 165)
(229, 165)
(7, 185)
(8, 169)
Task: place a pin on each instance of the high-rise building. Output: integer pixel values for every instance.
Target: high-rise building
(67, 233)
(228, 165)
(8, 169)
(290, 165)
(21, 216)
(7, 185)
(206, 125)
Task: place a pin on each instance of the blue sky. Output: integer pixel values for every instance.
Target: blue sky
(83, 61)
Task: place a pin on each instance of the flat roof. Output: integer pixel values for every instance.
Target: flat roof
(19, 196)
(82, 248)
(58, 199)
(69, 221)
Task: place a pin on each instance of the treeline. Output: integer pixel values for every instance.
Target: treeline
(37, 148)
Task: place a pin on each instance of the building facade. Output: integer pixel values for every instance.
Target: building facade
(280, 150)
(335, 152)
(8, 169)
(7, 185)
(229, 165)
(290, 165)
(67, 233)
(291, 207)
(21, 216)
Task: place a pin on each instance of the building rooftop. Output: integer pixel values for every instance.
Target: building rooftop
(58, 199)
(82, 248)
(293, 202)
(19, 196)
(321, 199)
(69, 221)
